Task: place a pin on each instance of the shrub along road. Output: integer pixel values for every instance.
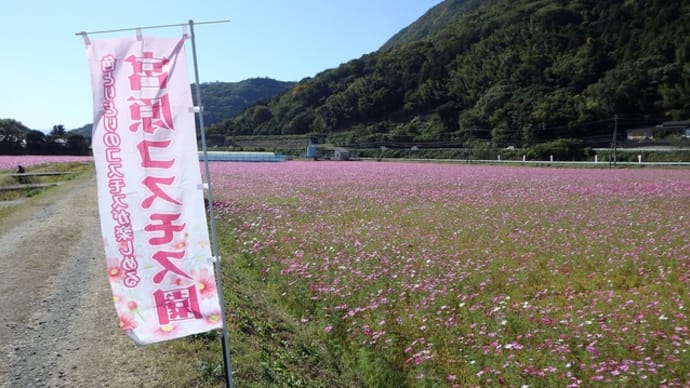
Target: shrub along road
(58, 326)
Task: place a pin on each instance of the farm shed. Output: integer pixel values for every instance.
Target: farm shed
(640, 134)
(660, 131)
(341, 154)
(676, 127)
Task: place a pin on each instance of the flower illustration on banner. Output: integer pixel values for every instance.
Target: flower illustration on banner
(213, 318)
(115, 273)
(178, 281)
(133, 306)
(179, 245)
(127, 321)
(166, 330)
(205, 283)
(182, 243)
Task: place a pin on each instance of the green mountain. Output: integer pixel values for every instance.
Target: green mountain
(513, 72)
(223, 100)
(432, 21)
(83, 131)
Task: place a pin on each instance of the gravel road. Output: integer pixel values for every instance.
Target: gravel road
(58, 326)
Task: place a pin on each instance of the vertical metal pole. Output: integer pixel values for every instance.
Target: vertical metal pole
(612, 157)
(615, 137)
(214, 238)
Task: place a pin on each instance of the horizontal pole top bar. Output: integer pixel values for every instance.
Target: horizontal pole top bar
(151, 27)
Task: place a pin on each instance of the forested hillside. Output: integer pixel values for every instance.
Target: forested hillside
(510, 71)
(432, 21)
(17, 139)
(223, 100)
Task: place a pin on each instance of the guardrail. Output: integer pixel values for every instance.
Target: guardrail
(600, 164)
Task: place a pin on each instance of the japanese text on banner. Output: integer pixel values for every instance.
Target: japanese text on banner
(152, 211)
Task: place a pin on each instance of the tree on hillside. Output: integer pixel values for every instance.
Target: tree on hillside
(57, 132)
(521, 71)
(12, 127)
(77, 144)
(36, 143)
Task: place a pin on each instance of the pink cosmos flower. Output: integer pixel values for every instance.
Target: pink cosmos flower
(416, 259)
(206, 283)
(166, 330)
(10, 162)
(115, 273)
(213, 318)
(127, 321)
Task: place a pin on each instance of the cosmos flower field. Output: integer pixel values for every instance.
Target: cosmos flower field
(456, 275)
(10, 162)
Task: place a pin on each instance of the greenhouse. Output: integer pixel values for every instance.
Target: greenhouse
(242, 156)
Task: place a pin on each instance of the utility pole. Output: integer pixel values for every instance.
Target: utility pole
(612, 157)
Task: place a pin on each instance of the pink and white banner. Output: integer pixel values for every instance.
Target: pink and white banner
(149, 189)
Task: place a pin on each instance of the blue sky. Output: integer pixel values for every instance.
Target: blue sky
(44, 77)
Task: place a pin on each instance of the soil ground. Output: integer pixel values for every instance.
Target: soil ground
(58, 326)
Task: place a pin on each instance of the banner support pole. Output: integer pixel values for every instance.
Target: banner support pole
(214, 237)
(84, 33)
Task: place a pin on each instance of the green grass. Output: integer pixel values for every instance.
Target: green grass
(71, 170)
(517, 279)
(269, 347)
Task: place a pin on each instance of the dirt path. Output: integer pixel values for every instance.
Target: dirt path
(58, 326)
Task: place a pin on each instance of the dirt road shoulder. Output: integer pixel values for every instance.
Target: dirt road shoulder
(58, 326)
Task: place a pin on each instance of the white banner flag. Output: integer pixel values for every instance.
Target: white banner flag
(149, 189)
